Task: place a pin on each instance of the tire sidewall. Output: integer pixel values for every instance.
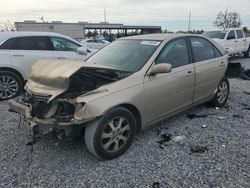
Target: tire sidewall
(119, 112)
(17, 79)
(247, 53)
(217, 103)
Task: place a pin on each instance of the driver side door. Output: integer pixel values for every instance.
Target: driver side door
(167, 93)
(66, 49)
(232, 42)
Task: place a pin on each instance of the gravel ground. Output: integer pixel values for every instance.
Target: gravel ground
(226, 163)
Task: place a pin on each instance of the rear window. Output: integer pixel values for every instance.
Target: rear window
(215, 34)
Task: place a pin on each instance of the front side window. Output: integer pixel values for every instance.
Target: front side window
(203, 49)
(239, 34)
(175, 53)
(231, 35)
(127, 55)
(61, 44)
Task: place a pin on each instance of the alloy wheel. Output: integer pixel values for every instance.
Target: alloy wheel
(8, 87)
(222, 92)
(115, 134)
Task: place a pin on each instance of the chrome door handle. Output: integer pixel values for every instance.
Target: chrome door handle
(61, 57)
(189, 73)
(18, 55)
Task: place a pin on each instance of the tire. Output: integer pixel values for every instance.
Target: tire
(221, 96)
(11, 85)
(246, 54)
(101, 138)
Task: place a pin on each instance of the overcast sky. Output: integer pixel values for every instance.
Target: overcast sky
(170, 14)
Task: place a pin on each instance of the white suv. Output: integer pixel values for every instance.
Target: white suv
(20, 50)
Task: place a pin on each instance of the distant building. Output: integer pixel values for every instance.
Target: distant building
(81, 30)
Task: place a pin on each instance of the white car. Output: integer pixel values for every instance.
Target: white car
(233, 40)
(95, 43)
(20, 50)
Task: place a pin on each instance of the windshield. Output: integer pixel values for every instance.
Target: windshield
(215, 34)
(127, 55)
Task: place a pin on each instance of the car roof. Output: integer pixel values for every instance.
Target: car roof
(11, 34)
(159, 36)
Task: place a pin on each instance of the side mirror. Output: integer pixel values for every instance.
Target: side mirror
(161, 68)
(82, 50)
(226, 52)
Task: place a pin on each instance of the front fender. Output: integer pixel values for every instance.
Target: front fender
(98, 104)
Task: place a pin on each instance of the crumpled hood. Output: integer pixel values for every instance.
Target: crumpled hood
(52, 77)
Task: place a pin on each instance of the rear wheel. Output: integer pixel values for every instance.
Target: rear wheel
(221, 96)
(11, 85)
(110, 136)
(247, 53)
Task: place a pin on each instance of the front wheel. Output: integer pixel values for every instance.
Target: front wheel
(110, 136)
(11, 85)
(221, 96)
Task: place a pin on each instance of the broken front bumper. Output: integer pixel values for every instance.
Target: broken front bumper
(40, 127)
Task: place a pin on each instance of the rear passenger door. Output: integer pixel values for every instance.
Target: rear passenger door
(210, 66)
(26, 51)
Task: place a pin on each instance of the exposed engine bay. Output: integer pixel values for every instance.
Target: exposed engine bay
(81, 82)
(45, 111)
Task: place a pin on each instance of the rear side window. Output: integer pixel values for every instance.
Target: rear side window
(175, 53)
(217, 52)
(7, 45)
(32, 43)
(203, 49)
(239, 34)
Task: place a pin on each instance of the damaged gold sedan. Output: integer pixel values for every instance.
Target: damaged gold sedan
(125, 87)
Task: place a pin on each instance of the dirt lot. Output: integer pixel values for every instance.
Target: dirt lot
(225, 133)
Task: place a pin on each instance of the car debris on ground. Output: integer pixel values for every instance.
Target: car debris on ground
(198, 148)
(69, 164)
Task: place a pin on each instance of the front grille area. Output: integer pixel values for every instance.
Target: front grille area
(39, 104)
(41, 98)
(32, 98)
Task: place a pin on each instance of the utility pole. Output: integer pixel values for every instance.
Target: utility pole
(189, 22)
(105, 15)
